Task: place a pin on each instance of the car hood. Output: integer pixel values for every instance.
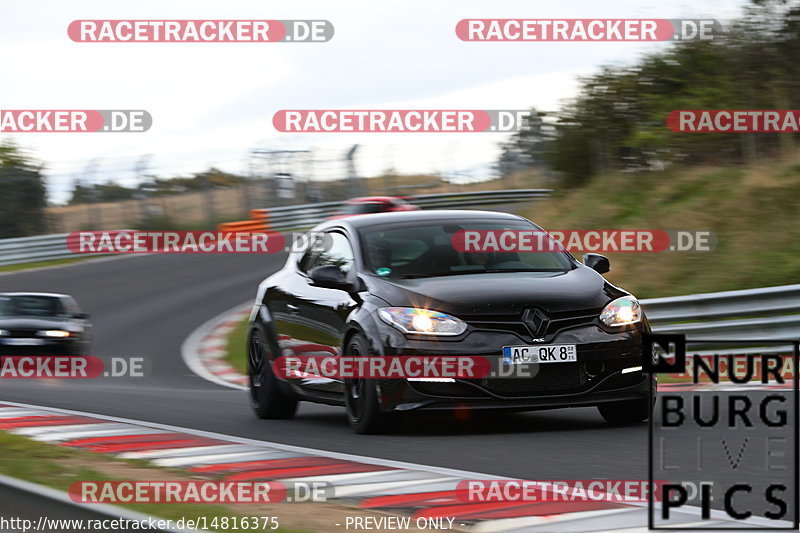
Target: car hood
(500, 294)
(34, 323)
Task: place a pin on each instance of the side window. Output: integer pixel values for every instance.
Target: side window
(305, 262)
(70, 306)
(337, 252)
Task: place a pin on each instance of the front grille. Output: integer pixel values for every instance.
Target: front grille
(518, 328)
(558, 322)
(560, 378)
(22, 333)
(31, 351)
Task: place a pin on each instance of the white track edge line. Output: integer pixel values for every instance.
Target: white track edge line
(190, 348)
(264, 444)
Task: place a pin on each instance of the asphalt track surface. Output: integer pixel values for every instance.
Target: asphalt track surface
(146, 306)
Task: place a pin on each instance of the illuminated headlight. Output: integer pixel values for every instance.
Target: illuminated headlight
(55, 333)
(3, 332)
(422, 321)
(622, 312)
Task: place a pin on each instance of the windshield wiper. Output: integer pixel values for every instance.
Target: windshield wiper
(466, 272)
(416, 276)
(500, 270)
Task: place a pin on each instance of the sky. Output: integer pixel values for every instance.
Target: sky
(212, 103)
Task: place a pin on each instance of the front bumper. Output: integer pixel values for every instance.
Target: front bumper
(596, 377)
(60, 347)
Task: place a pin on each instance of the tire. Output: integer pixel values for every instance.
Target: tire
(266, 397)
(361, 396)
(626, 412)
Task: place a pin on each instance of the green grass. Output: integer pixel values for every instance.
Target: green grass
(754, 212)
(236, 347)
(58, 467)
(40, 264)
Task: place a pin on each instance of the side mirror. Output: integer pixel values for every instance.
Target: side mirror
(330, 277)
(81, 316)
(597, 262)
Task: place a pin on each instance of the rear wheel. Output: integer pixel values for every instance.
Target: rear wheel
(626, 412)
(361, 396)
(266, 397)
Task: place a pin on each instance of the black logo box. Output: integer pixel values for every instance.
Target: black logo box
(657, 343)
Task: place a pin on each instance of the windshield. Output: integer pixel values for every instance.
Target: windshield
(39, 306)
(426, 249)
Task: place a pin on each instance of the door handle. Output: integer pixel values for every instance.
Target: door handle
(293, 309)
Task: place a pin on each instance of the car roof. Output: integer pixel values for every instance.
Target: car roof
(47, 294)
(372, 199)
(433, 215)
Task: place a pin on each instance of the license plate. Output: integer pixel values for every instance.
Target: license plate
(554, 353)
(23, 342)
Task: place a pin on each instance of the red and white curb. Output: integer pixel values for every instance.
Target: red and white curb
(204, 350)
(394, 487)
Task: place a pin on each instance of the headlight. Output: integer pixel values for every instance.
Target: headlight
(621, 312)
(56, 333)
(422, 321)
(3, 332)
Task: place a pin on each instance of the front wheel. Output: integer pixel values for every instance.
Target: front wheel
(626, 412)
(361, 396)
(266, 397)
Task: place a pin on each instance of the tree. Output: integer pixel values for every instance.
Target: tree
(23, 196)
(81, 194)
(618, 119)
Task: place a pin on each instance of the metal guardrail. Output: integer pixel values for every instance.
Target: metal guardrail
(48, 247)
(34, 249)
(764, 314)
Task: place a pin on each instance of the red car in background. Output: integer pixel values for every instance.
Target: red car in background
(373, 204)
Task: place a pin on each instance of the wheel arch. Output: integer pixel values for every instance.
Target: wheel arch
(368, 331)
(262, 321)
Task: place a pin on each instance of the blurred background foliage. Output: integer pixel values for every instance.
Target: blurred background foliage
(618, 120)
(23, 195)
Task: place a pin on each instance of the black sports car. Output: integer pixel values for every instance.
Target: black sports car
(36, 323)
(394, 285)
